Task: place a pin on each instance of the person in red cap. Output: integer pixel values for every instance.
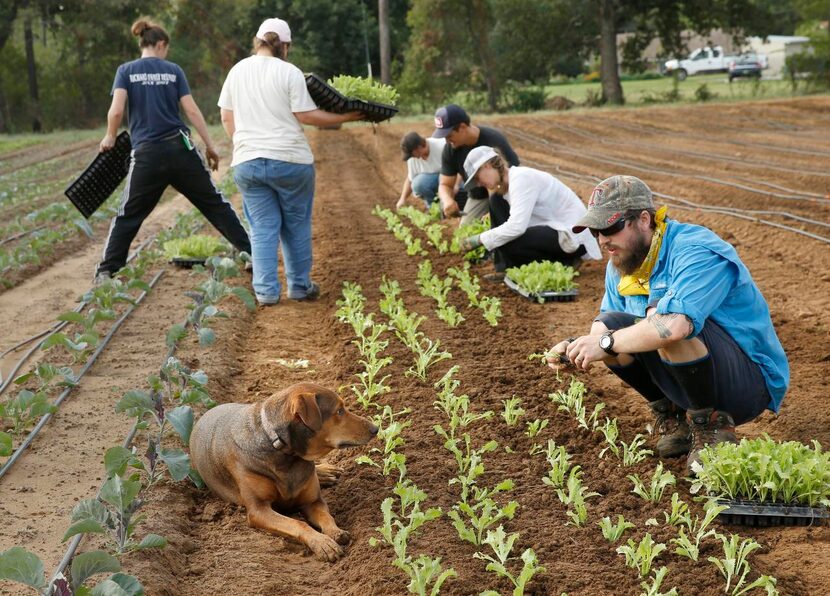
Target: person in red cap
(682, 322)
(453, 123)
(264, 103)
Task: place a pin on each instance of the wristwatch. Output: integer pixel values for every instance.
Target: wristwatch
(606, 342)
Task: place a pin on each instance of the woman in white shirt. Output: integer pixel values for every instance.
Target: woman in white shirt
(534, 221)
(264, 103)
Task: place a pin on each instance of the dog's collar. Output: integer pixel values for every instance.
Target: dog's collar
(277, 442)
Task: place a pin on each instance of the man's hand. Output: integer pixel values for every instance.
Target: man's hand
(401, 202)
(470, 243)
(555, 357)
(584, 350)
(450, 208)
(212, 157)
(107, 143)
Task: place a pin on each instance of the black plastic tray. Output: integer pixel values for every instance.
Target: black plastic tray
(331, 100)
(756, 513)
(100, 179)
(186, 263)
(567, 296)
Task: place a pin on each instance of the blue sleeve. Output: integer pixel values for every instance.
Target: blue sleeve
(701, 279)
(121, 80)
(181, 79)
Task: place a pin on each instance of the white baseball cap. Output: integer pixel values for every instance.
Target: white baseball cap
(277, 26)
(475, 159)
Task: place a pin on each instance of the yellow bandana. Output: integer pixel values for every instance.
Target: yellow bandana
(636, 284)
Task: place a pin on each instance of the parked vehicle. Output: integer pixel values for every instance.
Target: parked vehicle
(701, 60)
(746, 65)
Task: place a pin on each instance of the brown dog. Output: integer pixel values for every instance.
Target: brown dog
(263, 453)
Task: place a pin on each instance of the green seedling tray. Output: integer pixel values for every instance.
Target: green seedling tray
(331, 100)
(566, 296)
(759, 514)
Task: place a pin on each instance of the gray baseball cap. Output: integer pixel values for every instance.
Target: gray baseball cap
(610, 200)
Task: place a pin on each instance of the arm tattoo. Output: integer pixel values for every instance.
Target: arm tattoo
(661, 323)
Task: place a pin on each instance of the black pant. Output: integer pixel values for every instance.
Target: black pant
(154, 167)
(538, 243)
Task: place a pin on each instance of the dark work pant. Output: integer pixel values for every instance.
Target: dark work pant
(154, 167)
(739, 389)
(538, 243)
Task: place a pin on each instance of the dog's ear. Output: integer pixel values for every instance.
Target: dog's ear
(304, 406)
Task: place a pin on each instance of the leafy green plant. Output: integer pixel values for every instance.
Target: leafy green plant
(425, 571)
(612, 532)
(535, 427)
(678, 515)
(512, 410)
(574, 495)
(735, 567)
(456, 407)
(24, 410)
(365, 89)
(113, 514)
(660, 479)
(765, 470)
(467, 282)
(633, 452)
(611, 433)
(491, 307)
(502, 545)
(472, 228)
(559, 461)
(640, 556)
(435, 234)
(199, 246)
(389, 435)
(468, 460)
(699, 530)
(543, 276)
(23, 567)
(652, 588)
(482, 512)
(427, 353)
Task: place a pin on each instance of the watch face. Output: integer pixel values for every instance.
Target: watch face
(605, 342)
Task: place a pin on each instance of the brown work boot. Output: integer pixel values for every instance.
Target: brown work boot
(670, 425)
(709, 427)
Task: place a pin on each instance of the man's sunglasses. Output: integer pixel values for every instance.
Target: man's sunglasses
(614, 228)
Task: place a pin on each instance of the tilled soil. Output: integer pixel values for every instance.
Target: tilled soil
(212, 549)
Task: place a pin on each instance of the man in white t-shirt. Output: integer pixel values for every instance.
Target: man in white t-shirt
(423, 164)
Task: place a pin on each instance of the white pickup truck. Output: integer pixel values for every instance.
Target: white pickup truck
(702, 60)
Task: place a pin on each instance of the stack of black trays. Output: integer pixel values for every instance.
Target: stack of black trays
(331, 100)
(101, 177)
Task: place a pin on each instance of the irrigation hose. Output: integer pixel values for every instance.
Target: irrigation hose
(46, 417)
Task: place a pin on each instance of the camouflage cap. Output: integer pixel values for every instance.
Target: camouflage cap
(610, 200)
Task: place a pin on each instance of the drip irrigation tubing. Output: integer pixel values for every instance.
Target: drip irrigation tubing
(716, 157)
(55, 328)
(607, 159)
(76, 540)
(21, 235)
(652, 130)
(46, 417)
(685, 204)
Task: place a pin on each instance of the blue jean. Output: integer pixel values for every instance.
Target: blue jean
(425, 187)
(277, 197)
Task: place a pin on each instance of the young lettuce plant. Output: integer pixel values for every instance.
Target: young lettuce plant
(390, 436)
(426, 355)
(633, 452)
(425, 572)
(559, 461)
(613, 532)
(512, 410)
(435, 233)
(652, 588)
(502, 545)
(535, 427)
(640, 556)
(735, 567)
(481, 512)
(699, 530)
(574, 497)
(24, 410)
(659, 481)
(611, 433)
(23, 567)
(491, 307)
(470, 463)
(678, 515)
(455, 406)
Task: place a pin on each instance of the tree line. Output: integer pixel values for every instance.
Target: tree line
(58, 57)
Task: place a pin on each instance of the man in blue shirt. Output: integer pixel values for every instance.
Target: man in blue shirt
(682, 322)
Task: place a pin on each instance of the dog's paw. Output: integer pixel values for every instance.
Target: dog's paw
(324, 547)
(341, 537)
(328, 475)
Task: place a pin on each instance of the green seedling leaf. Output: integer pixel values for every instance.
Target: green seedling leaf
(130, 585)
(19, 565)
(152, 541)
(85, 526)
(120, 493)
(195, 478)
(91, 509)
(181, 419)
(177, 461)
(88, 564)
(206, 336)
(135, 403)
(106, 587)
(116, 460)
(245, 296)
(5, 444)
(176, 333)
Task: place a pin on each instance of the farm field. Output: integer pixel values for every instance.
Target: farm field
(756, 173)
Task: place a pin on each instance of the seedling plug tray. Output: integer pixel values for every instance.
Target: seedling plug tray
(566, 296)
(187, 263)
(757, 513)
(89, 191)
(331, 100)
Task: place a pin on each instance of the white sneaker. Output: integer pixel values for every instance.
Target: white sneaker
(102, 277)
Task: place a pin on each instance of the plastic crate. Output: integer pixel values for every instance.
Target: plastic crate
(331, 100)
(100, 179)
(756, 513)
(567, 296)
